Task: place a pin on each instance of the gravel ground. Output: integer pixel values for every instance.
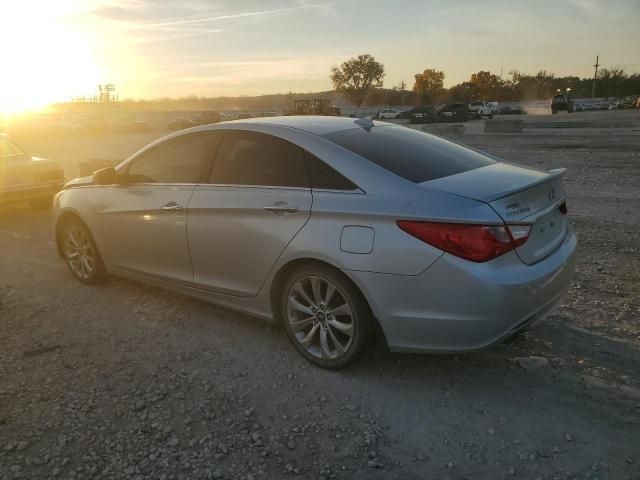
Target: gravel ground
(125, 381)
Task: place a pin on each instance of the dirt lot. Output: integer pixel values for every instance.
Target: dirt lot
(128, 381)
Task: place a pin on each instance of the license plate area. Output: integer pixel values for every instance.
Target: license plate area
(547, 233)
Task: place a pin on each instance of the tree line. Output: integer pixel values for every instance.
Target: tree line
(360, 80)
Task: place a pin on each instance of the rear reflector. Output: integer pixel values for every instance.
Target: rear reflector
(478, 243)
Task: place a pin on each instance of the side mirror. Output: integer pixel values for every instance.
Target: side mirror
(105, 176)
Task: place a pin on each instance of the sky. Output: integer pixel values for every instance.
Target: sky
(149, 49)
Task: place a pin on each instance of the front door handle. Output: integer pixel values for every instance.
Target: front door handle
(280, 208)
(172, 206)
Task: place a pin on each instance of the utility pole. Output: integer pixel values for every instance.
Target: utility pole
(595, 75)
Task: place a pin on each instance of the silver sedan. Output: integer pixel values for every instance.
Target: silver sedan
(336, 228)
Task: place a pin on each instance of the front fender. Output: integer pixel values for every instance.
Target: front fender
(80, 203)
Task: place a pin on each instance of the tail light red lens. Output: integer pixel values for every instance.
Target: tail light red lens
(478, 243)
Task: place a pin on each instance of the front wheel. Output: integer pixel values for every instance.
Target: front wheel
(325, 316)
(81, 254)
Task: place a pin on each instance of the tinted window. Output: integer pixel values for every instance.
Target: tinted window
(250, 158)
(8, 148)
(324, 177)
(413, 155)
(175, 161)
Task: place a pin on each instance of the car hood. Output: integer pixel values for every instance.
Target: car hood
(79, 182)
(26, 161)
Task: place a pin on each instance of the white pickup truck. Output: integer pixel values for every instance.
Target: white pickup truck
(480, 109)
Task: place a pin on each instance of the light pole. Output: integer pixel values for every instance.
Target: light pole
(595, 75)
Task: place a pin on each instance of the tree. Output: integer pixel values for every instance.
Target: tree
(487, 85)
(545, 82)
(463, 92)
(428, 85)
(357, 76)
(611, 81)
(400, 93)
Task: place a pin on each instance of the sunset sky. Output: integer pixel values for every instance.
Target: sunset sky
(53, 50)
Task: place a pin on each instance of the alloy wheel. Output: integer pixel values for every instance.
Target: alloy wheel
(320, 317)
(79, 252)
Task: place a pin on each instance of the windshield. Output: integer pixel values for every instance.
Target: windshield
(9, 149)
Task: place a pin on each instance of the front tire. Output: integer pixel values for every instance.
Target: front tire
(80, 253)
(326, 318)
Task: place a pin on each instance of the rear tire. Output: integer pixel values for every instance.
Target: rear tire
(326, 318)
(80, 252)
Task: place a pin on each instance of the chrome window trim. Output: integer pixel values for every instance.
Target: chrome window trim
(234, 185)
(353, 191)
(356, 191)
(125, 185)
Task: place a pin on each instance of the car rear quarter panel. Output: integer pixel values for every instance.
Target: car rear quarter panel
(393, 251)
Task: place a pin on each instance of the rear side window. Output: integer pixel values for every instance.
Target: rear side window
(324, 177)
(412, 155)
(252, 158)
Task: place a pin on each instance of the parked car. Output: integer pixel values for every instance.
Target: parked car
(480, 110)
(495, 106)
(24, 178)
(406, 112)
(331, 226)
(455, 112)
(208, 117)
(512, 110)
(424, 114)
(387, 113)
(182, 123)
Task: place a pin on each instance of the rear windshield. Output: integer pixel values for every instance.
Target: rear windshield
(415, 156)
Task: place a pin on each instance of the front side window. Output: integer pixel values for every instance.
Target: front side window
(175, 161)
(252, 158)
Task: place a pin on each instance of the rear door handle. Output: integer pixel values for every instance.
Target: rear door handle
(280, 208)
(172, 206)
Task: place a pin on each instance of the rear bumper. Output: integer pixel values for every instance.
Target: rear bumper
(32, 192)
(457, 305)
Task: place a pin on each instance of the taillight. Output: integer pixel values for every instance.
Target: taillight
(478, 243)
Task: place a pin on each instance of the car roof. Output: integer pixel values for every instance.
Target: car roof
(314, 124)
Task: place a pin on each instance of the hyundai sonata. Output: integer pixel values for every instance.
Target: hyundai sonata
(335, 228)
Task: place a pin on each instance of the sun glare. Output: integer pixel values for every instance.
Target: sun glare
(47, 58)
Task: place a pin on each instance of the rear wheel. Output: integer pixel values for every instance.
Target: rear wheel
(81, 254)
(325, 316)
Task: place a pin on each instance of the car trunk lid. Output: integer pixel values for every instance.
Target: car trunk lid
(519, 196)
